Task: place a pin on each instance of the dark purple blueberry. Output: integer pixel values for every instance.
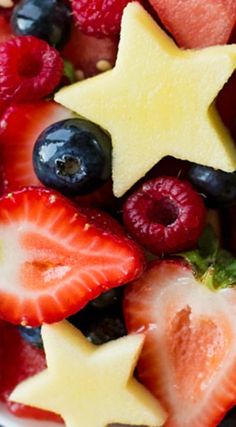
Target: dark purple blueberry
(49, 20)
(108, 299)
(73, 156)
(218, 187)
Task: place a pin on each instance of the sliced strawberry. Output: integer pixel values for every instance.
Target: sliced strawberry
(189, 356)
(85, 52)
(5, 29)
(20, 126)
(102, 220)
(54, 260)
(197, 23)
(20, 361)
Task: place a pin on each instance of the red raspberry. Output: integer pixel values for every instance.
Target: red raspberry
(99, 18)
(165, 215)
(29, 69)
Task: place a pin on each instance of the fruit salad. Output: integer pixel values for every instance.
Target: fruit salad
(117, 213)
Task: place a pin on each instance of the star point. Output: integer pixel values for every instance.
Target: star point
(157, 101)
(90, 385)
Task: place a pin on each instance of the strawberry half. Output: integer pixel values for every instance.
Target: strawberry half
(20, 126)
(54, 260)
(189, 356)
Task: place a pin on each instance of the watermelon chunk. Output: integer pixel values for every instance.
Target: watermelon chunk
(85, 52)
(197, 23)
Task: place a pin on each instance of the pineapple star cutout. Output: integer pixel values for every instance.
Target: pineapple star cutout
(90, 385)
(157, 101)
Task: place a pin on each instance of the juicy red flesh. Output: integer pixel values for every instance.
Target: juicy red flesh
(197, 23)
(165, 215)
(189, 356)
(65, 260)
(85, 52)
(99, 18)
(103, 220)
(226, 104)
(20, 361)
(29, 69)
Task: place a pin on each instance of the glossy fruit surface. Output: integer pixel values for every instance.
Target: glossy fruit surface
(54, 261)
(20, 126)
(49, 20)
(73, 156)
(217, 186)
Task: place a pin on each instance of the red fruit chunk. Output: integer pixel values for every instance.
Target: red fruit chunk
(20, 361)
(20, 126)
(102, 198)
(85, 52)
(197, 23)
(5, 30)
(103, 220)
(189, 356)
(226, 104)
(233, 35)
(165, 215)
(99, 18)
(54, 261)
(29, 69)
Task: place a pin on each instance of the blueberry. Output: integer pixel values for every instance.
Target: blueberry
(49, 20)
(218, 187)
(107, 299)
(105, 329)
(101, 324)
(31, 335)
(73, 156)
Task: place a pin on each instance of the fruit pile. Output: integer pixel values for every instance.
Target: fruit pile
(117, 211)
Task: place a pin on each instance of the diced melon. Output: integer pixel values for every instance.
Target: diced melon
(197, 23)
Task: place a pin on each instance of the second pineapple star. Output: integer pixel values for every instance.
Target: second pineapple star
(157, 101)
(90, 385)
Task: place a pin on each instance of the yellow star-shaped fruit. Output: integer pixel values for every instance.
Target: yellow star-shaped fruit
(88, 385)
(157, 101)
